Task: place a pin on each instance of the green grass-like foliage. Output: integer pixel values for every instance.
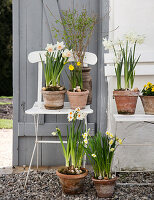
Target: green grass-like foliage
(74, 150)
(6, 123)
(53, 68)
(5, 103)
(6, 97)
(100, 151)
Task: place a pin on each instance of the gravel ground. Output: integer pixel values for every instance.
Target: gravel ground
(45, 185)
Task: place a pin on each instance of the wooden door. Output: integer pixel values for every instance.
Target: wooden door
(32, 31)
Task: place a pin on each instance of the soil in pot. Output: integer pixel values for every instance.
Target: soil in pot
(54, 97)
(78, 99)
(148, 104)
(126, 101)
(104, 188)
(72, 184)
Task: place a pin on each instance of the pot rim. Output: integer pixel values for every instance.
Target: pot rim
(146, 96)
(104, 181)
(125, 93)
(76, 176)
(78, 93)
(54, 92)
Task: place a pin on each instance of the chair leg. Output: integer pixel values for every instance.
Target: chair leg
(30, 165)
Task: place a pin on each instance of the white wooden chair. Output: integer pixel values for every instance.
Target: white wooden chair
(34, 57)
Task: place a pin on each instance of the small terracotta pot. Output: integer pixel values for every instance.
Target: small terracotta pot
(148, 104)
(87, 82)
(53, 99)
(104, 188)
(72, 184)
(78, 99)
(126, 101)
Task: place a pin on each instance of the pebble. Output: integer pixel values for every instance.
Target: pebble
(45, 185)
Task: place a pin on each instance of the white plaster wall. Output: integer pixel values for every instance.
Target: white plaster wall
(133, 15)
(138, 16)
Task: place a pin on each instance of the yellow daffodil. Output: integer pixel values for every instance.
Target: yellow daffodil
(111, 142)
(152, 90)
(71, 67)
(78, 63)
(93, 155)
(120, 141)
(145, 86)
(149, 84)
(112, 149)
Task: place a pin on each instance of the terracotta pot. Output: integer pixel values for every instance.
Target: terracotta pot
(53, 99)
(78, 99)
(126, 101)
(148, 104)
(87, 82)
(72, 184)
(104, 188)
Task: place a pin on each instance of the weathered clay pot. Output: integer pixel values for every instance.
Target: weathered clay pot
(53, 99)
(87, 82)
(72, 184)
(104, 188)
(126, 101)
(148, 104)
(78, 99)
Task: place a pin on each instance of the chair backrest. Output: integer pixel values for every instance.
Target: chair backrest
(34, 57)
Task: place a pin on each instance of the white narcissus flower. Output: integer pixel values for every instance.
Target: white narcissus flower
(85, 141)
(140, 39)
(81, 115)
(116, 60)
(60, 45)
(107, 133)
(67, 53)
(111, 136)
(70, 116)
(119, 42)
(77, 109)
(94, 155)
(133, 37)
(54, 133)
(111, 142)
(108, 44)
(112, 149)
(50, 48)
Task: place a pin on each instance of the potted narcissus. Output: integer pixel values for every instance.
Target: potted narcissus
(100, 151)
(56, 58)
(147, 98)
(77, 95)
(72, 175)
(124, 57)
